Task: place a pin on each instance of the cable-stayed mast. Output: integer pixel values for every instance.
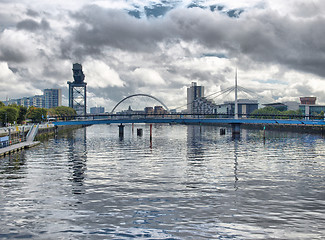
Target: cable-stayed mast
(236, 101)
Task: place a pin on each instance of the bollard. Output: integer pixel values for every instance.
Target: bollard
(132, 128)
(139, 132)
(121, 130)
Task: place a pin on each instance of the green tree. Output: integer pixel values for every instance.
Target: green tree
(266, 112)
(2, 104)
(62, 111)
(8, 114)
(271, 112)
(22, 114)
(36, 114)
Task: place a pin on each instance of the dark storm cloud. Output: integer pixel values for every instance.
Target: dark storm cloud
(32, 13)
(9, 54)
(101, 27)
(31, 25)
(262, 36)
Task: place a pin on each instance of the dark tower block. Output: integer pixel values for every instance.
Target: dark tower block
(77, 90)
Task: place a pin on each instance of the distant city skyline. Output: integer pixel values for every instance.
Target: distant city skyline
(160, 47)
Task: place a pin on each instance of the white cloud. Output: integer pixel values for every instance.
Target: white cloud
(11, 85)
(148, 77)
(100, 75)
(276, 45)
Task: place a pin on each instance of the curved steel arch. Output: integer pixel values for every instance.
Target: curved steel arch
(139, 94)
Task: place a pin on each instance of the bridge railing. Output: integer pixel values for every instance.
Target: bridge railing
(184, 115)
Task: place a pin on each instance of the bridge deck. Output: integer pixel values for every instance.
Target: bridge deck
(192, 120)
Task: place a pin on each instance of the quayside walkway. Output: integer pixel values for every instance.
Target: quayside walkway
(22, 145)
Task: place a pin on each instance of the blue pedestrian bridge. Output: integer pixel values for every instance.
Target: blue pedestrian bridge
(184, 119)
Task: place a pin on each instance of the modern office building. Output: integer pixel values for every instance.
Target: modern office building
(245, 107)
(77, 90)
(159, 110)
(148, 110)
(194, 92)
(308, 100)
(203, 106)
(309, 108)
(52, 98)
(284, 106)
(97, 110)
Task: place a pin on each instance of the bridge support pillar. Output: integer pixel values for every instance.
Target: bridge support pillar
(235, 129)
(121, 130)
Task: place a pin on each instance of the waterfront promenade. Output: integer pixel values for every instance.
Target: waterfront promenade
(21, 144)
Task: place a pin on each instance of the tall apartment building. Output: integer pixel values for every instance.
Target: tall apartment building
(38, 101)
(194, 92)
(52, 98)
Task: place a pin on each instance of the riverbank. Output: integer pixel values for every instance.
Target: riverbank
(18, 134)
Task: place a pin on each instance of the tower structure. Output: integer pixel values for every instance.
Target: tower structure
(194, 92)
(236, 101)
(77, 90)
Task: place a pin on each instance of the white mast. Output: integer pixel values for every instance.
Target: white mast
(236, 102)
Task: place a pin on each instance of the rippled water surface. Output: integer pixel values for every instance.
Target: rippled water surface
(190, 183)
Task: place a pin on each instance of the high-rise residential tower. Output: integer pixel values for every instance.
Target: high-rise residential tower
(52, 98)
(194, 92)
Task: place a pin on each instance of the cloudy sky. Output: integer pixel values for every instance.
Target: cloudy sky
(160, 47)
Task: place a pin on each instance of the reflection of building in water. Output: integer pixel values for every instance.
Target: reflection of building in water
(236, 164)
(77, 142)
(194, 142)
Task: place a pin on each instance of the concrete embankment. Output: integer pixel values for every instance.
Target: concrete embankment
(17, 137)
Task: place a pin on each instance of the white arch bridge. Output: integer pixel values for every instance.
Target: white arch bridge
(137, 95)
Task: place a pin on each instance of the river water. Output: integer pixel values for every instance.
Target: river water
(190, 183)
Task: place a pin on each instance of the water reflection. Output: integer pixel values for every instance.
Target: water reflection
(195, 144)
(13, 165)
(193, 184)
(77, 155)
(236, 164)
